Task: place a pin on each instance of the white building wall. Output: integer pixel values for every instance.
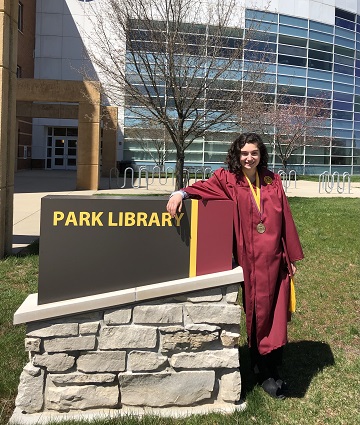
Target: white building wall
(61, 28)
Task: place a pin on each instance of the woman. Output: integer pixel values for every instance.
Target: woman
(266, 247)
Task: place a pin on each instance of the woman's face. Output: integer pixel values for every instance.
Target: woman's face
(249, 156)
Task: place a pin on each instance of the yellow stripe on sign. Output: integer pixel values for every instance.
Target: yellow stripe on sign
(193, 236)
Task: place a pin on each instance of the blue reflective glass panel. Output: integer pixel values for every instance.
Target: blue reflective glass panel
(344, 106)
(343, 69)
(344, 24)
(344, 42)
(340, 13)
(341, 78)
(344, 60)
(294, 81)
(318, 93)
(322, 75)
(291, 60)
(344, 51)
(344, 87)
(343, 97)
(321, 27)
(320, 84)
(291, 70)
(297, 32)
(261, 26)
(292, 50)
(327, 66)
(342, 133)
(345, 33)
(314, 35)
(296, 22)
(342, 124)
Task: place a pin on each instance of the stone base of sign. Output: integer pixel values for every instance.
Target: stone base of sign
(44, 418)
(173, 356)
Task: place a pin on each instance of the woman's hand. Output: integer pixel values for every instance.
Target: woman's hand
(293, 268)
(174, 204)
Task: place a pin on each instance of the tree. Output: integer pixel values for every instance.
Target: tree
(176, 66)
(289, 123)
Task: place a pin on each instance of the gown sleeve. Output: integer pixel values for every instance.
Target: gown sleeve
(215, 187)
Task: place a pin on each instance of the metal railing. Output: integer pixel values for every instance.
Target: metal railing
(286, 178)
(327, 182)
(155, 174)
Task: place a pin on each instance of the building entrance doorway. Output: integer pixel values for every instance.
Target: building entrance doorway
(61, 148)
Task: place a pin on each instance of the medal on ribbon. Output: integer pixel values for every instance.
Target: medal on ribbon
(260, 227)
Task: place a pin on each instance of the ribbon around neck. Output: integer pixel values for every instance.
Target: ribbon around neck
(256, 193)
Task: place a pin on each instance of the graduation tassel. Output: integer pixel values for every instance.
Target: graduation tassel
(292, 297)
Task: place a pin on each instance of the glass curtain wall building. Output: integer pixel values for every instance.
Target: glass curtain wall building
(309, 59)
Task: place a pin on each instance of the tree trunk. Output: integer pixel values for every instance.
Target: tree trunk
(179, 171)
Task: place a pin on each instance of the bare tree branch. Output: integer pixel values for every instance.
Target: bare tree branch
(175, 64)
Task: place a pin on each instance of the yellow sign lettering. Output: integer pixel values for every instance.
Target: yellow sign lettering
(129, 219)
(178, 219)
(58, 216)
(71, 219)
(84, 218)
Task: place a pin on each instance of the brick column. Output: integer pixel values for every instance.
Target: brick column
(88, 153)
(110, 121)
(8, 55)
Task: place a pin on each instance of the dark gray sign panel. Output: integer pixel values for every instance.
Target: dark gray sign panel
(91, 245)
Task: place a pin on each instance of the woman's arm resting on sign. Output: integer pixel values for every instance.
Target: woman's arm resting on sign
(174, 204)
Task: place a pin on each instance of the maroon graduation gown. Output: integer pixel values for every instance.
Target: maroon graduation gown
(262, 256)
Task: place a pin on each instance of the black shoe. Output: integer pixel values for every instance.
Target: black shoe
(272, 388)
(282, 384)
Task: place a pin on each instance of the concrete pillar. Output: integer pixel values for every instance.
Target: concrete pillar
(109, 142)
(8, 60)
(88, 150)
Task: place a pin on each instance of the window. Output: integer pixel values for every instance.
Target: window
(18, 71)
(339, 13)
(20, 17)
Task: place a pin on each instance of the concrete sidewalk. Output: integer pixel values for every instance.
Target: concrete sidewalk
(32, 185)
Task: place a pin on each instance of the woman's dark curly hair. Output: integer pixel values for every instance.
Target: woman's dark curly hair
(233, 156)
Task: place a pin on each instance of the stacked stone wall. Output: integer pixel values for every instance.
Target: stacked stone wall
(174, 351)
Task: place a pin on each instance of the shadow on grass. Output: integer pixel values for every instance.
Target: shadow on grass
(302, 361)
(32, 249)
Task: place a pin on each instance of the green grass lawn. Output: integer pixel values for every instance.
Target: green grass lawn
(322, 359)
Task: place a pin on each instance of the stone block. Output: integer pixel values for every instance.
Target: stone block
(230, 387)
(163, 313)
(207, 295)
(32, 344)
(193, 337)
(117, 337)
(102, 361)
(232, 294)
(89, 328)
(82, 378)
(218, 314)
(142, 361)
(81, 397)
(59, 362)
(69, 344)
(119, 316)
(30, 397)
(46, 330)
(166, 389)
(210, 359)
(229, 339)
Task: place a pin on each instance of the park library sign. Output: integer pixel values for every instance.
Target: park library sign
(98, 244)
